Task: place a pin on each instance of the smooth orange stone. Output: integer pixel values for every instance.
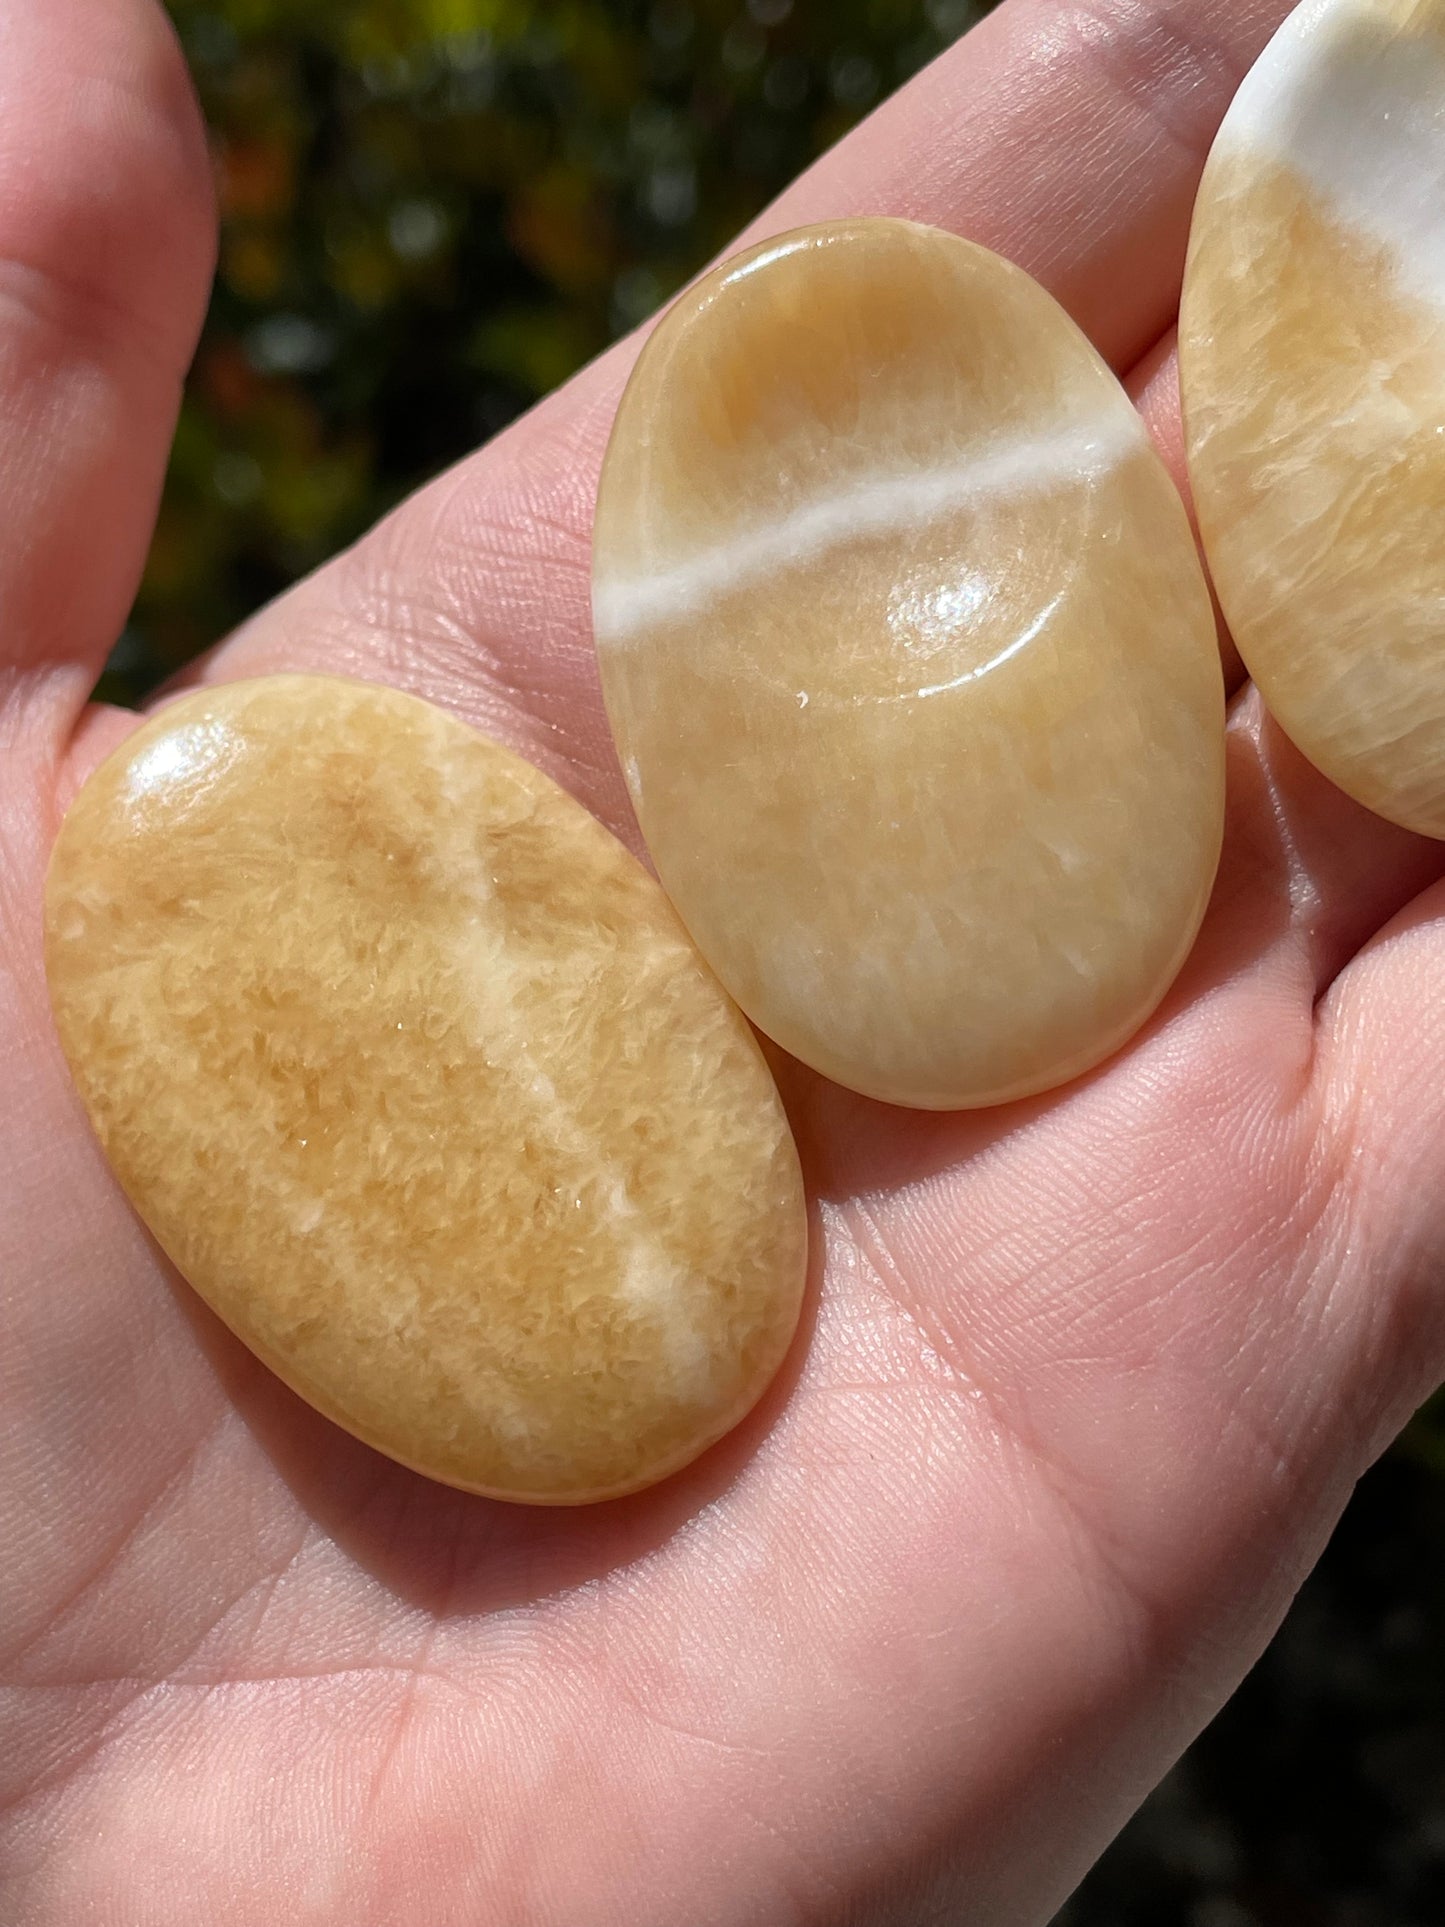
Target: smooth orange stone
(911, 664)
(1312, 356)
(411, 1070)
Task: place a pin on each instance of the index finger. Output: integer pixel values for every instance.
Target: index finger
(1066, 134)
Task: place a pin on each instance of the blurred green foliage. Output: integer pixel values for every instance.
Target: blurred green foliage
(434, 211)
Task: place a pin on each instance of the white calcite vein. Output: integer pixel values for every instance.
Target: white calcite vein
(1351, 95)
(1312, 361)
(985, 478)
(911, 664)
(414, 1075)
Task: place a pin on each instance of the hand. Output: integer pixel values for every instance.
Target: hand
(1089, 1378)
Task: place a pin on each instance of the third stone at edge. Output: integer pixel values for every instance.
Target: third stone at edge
(1312, 357)
(911, 664)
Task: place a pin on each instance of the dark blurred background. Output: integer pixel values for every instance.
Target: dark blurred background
(434, 211)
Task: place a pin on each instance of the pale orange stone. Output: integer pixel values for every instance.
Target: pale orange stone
(1312, 356)
(412, 1071)
(911, 664)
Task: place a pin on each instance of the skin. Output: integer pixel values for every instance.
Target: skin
(1087, 1382)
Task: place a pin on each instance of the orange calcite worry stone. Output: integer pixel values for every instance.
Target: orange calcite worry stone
(911, 664)
(1312, 357)
(411, 1070)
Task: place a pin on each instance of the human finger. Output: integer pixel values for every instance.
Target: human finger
(106, 241)
(1066, 137)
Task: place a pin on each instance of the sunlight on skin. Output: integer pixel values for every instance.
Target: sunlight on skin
(1087, 1381)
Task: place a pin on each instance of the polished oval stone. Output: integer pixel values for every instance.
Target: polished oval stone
(412, 1071)
(1312, 356)
(911, 664)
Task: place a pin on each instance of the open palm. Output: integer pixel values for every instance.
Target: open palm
(1086, 1381)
